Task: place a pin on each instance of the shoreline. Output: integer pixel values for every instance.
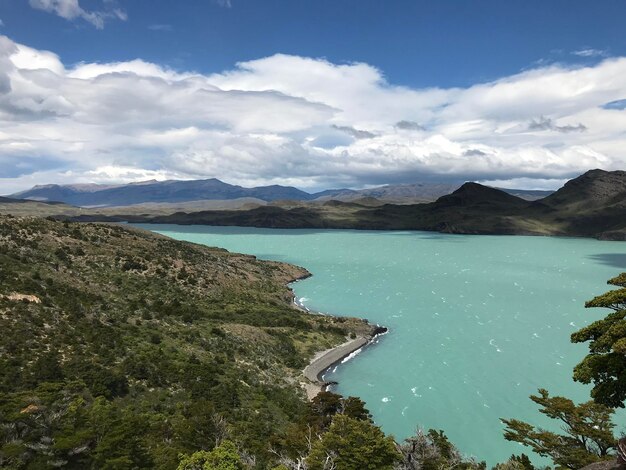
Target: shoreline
(325, 359)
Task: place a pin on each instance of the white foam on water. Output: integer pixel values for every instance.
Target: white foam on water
(351, 356)
(492, 342)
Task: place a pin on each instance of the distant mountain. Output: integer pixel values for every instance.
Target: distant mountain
(528, 194)
(414, 193)
(336, 194)
(176, 192)
(157, 192)
(478, 196)
(395, 194)
(592, 205)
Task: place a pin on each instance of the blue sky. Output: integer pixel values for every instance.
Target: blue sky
(415, 43)
(310, 93)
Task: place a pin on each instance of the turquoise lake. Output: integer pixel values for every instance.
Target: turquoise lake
(477, 323)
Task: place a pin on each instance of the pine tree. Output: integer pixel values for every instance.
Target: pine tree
(605, 365)
(588, 431)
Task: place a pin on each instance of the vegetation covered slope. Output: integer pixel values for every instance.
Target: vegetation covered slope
(123, 349)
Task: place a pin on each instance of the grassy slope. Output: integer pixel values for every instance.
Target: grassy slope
(138, 347)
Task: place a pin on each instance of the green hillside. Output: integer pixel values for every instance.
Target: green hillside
(123, 349)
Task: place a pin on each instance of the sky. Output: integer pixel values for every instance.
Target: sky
(315, 94)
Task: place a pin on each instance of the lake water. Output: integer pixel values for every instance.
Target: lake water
(477, 323)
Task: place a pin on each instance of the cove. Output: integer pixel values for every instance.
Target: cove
(477, 323)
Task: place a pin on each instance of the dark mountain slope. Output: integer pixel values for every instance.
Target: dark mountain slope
(477, 196)
(595, 189)
(266, 216)
(593, 205)
(473, 208)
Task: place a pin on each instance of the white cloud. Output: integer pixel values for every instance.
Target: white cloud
(71, 10)
(526, 183)
(302, 121)
(590, 52)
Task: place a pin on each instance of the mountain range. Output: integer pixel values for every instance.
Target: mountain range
(170, 191)
(177, 192)
(591, 205)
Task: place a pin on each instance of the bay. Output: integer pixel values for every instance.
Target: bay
(477, 323)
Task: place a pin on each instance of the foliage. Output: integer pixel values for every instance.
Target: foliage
(516, 462)
(223, 457)
(588, 431)
(352, 444)
(326, 405)
(433, 451)
(126, 350)
(123, 349)
(605, 365)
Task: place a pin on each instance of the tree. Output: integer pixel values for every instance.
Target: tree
(325, 405)
(605, 365)
(517, 462)
(588, 430)
(433, 451)
(223, 457)
(509, 465)
(352, 444)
